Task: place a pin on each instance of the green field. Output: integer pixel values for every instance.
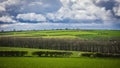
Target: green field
(82, 34)
(74, 61)
(48, 62)
(37, 62)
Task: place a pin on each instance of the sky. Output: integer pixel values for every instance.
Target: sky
(59, 14)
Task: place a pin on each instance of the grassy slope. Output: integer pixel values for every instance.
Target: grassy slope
(41, 62)
(83, 34)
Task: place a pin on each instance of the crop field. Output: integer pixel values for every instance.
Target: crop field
(49, 62)
(81, 34)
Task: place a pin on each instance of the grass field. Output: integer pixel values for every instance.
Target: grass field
(74, 61)
(82, 34)
(36, 62)
(46, 62)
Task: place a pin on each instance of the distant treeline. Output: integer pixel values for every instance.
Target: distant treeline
(108, 46)
(94, 54)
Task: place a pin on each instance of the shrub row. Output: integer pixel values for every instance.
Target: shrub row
(91, 54)
(52, 54)
(38, 53)
(12, 53)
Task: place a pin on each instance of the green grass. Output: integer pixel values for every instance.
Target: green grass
(82, 34)
(49, 62)
(37, 62)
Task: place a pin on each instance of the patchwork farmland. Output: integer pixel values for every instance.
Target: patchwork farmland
(60, 49)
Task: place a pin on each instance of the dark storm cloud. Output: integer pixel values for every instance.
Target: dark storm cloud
(109, 5)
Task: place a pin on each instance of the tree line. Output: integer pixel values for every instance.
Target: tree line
(108, 46)
(96, 54)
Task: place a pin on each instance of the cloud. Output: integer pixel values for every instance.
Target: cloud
(80, 12)
(7, 19)
(2, 9)
(40, 6)
(64, 10)
(10, 7)
(31, 17)
(44, 26)
(14, 7)
(112, 5)
(117, 11)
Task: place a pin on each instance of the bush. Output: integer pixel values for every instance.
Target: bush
(87, 54)
(68, 54)
(51, 54)
(38, 53)
(12, 53)
(97, 54)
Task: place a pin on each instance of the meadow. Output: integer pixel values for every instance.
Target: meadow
(37, 62)
(106, 41)
(74, 61)
(81, 34)
(75, 41)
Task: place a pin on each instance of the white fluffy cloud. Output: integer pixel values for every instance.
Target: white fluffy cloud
(70, 9)
(6, 3)
(81, 13)
(40, 6)
(80, 10)
(116, 9)
(31, 17)
(7, 19)
(2, 9)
